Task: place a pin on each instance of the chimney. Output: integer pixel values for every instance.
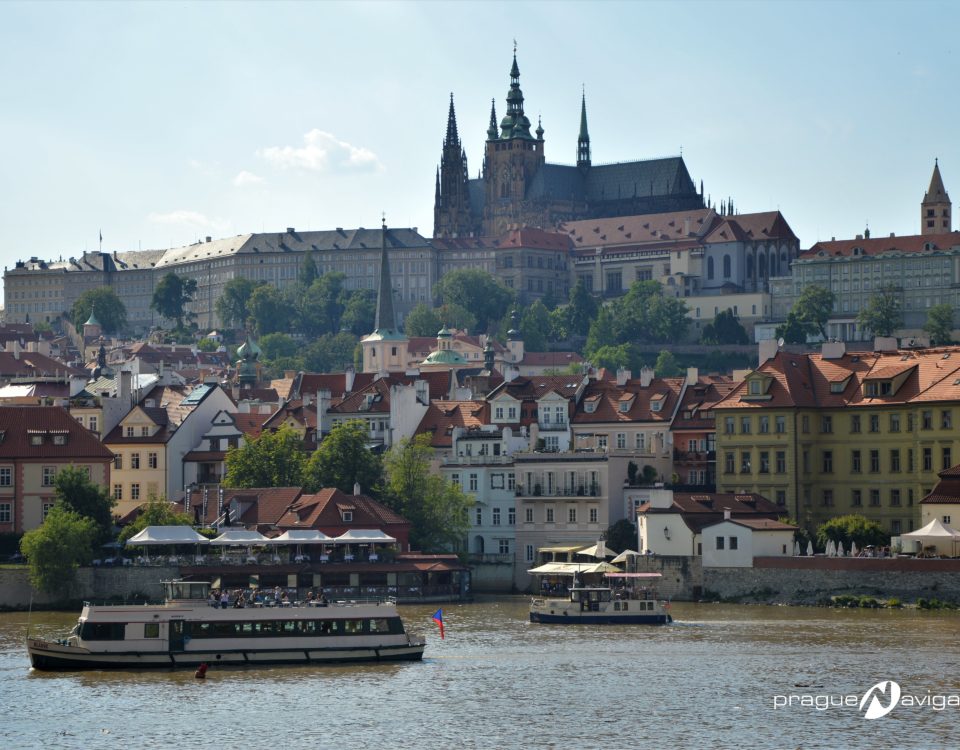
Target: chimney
(623, 375)
(833, 350)
(323, 403)
(767, 349)
(693, 376)
(510, 372)
(686, 227)
(646, 376)
(125, 389)
(356, 488)
(209, 238)
(349, 375)
(422, 389)
(291, 230)
(726, 515)
(307, 399)
(884, 344)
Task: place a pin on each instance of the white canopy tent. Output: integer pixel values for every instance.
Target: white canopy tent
(239, 538)
(936, 534)
(626, 555)
(572, 569)
(364, 536)
(157, 535)
(301, 536)
(598, 550)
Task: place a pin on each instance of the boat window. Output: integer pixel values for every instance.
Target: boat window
(616, 606)
(626, 606)
(151, 630)
(379, 625)
(102, 631)
(288, 627)
(352, 627)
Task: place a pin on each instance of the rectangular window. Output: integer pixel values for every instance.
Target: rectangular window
(946, 419)
(49, 475)
(947, 461)
(118, 492)
(728, 466)
(806, 462)
(152, 460)
(855, 465)
(135, 491)
(512, 516)
(455, 479)
(720, 541)
(129, 432)
(6, 476)
(781, 497)
(496, 516)
(894, 423)
(528, 515)
(764, 462)
(744, 462)
(928, 459)
(856, 498)
(118, 461)
(528, 553)
(895, 498)
(827, 500)
(875, 498)
(478, 518)
(571, 515)
(827, 462)
(474, 482)
(498, 414)
(805, 424)
(745, 425)
(781, 462)
(6, 513)
(728, 425)
(93, 423)
(734, 543)
(855, 423)
(134, 460)
(550, 515)
(895, 459)
(826, 424)
(874, 461)
(764, 425)
(926, 420)
(874, 423)
(781, 425)
(504, 546)
(621, 440)
(594, 515)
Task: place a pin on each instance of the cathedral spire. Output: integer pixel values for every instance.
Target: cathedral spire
(452, 136)
(385, 321)
(492, 131)
(515, 124)
(583, 141)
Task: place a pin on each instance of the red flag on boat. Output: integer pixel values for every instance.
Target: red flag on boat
(438, 618)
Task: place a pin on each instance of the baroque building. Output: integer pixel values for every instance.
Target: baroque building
(518, 187)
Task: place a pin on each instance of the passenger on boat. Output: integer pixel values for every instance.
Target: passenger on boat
(224, 599)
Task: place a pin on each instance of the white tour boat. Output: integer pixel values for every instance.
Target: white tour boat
(627, 603)
(186, 631)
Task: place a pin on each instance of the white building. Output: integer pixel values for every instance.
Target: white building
(734, 543)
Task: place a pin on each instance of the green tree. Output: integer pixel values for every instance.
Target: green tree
(852, 528)
(436, 508)
(232, 306)
(581, 310)
(74, 490)
(359, 313)
(422, 321)
(207, 345)
(794, 330)
(275, 345)
(725, 329)
(343, 459)
(667, 319)
(667, 365)
(157, 512)
(270, 310)
(171, 296)
(457, 316)
(621, 535)
(318, 308)
(602, 332)
(882, 314)
(814, 306)
(477, 291)
(308, 270)
(939, 325)
(56, 548)
(110, 310)
(615, 357)
(329, 353)
(274, 459)
(535, 327)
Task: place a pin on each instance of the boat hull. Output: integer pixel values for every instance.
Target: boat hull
(45, 655)
(600, 618)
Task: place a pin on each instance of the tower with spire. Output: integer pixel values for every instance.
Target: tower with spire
(935, 208)
(583, 140)
(385, 350)
(451, 204)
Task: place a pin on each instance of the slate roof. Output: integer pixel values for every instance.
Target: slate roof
(168, 413)
(19, 424)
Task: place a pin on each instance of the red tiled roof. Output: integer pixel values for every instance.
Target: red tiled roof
(20, 423)
(320, 510)
(265, 504)
(550, 359)
(442, 416)
(608, 398)
(915, 243)
(249, 423)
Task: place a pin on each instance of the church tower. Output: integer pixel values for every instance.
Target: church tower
(451, 204)
(513, 157)
(935, 208)
(583, 141)
(385, 350)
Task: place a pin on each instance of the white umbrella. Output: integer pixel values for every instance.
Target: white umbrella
(809, 549)
(625, 556)
(796, 549)
(840, 552)
(598, 550)
(853, 549)
(831, 548)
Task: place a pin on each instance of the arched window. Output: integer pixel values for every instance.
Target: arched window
(726, 266)
(750, 266)
(762, 266)
(774, 268)
(478, 545)
(709, 268)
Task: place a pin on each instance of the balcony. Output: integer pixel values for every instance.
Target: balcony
(479, 558)
(554, 426)
(477, 460)
(582, 490)
(694, 456)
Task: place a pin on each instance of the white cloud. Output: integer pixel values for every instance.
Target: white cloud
(246, 179)
(191, 219)
(322, 152)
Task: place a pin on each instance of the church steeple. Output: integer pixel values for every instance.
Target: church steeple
(492, 132)
(385, 350)
(583, 141)
(515, 124)
(451, 207)
(452, 136)
(385, 321)
(936, 207)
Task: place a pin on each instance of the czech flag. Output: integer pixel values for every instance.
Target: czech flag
(438, 618)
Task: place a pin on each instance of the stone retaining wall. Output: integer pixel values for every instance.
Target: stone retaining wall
(90, 584)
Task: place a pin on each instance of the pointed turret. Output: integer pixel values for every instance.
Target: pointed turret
(451, 205)
(515, 124)
(935, 210)
(492, 132)
(385, 350)
(583, 141)
(452, 136)
(385, 321)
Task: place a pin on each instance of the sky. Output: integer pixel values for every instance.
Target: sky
(157, 124)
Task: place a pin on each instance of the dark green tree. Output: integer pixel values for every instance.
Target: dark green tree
(725, 329)
(477, 291)
(602, 332)
(329, 353)
(359, 312)
(882, 314)
(667, 365)
(939, 324)
(308, 270)
(232, 306)
(422, 321)
(56, 548)
(274, 459)
(320, 306)
(110, 310)
(157, 512)
(794, 330)
(852, 528)
(457, 316)
(72, 488)
(620, 536)
(276, 345)
(171, 296)
(535, 326)
(270, 311)
(344, 459)
(436, 508)
(813, 308)
(582, 309)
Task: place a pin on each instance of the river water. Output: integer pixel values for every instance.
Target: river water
(710, 680)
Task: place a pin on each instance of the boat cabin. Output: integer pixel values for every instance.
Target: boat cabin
(185, 590)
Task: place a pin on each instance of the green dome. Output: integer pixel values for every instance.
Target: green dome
(444, 333)
(444, 357)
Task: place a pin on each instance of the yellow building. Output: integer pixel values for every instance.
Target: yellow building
(825, 435)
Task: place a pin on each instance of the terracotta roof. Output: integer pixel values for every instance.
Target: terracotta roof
(607, 399)
(265, 505)
(443, 416)
(915, 243)
(699, 399)
(699, 510)
(762, 524)
(550, 359)
(642, 229)
(536, 239)
(320, 511)
(33, 364)
(335, 382)
(766, 225)
(249, 423)
(61, 435)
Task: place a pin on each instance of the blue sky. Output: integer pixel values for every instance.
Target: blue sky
(160, 123)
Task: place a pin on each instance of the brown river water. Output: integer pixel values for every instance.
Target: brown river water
(716, 678)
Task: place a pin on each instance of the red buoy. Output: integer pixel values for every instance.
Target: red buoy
(201, 672)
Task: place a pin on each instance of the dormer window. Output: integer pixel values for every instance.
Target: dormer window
(36, 439)
(624, 407)
(347, 516)
(59, 439)
(755, 388)
(129, 432)
(590, 407)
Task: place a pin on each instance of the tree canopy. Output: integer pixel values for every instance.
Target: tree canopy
(725, 329)
(813, 308)
(535, 326)
(667, 366)
(852, 528)
(794, 330)
(171, 296)
(109, 310)
(477, 291)
(274, 459)
(939, 324)
(270, 310)
(422, 321)
(343, 459)
(72, 487)
(55, 549)
(882, 314)
(436, 508)
(157, 512)
(232, 307)
(621, 535)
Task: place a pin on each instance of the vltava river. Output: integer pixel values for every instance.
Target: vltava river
(708, 681)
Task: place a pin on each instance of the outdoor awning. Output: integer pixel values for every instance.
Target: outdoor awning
(301, 536)
(364, 536)
(598, 550)
(156, 535)
(626, 555)
(566, 548)
(572, 569)
(633, 575)
(935, 530)
(239, 538)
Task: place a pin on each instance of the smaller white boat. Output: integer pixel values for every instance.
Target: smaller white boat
(631, 602)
